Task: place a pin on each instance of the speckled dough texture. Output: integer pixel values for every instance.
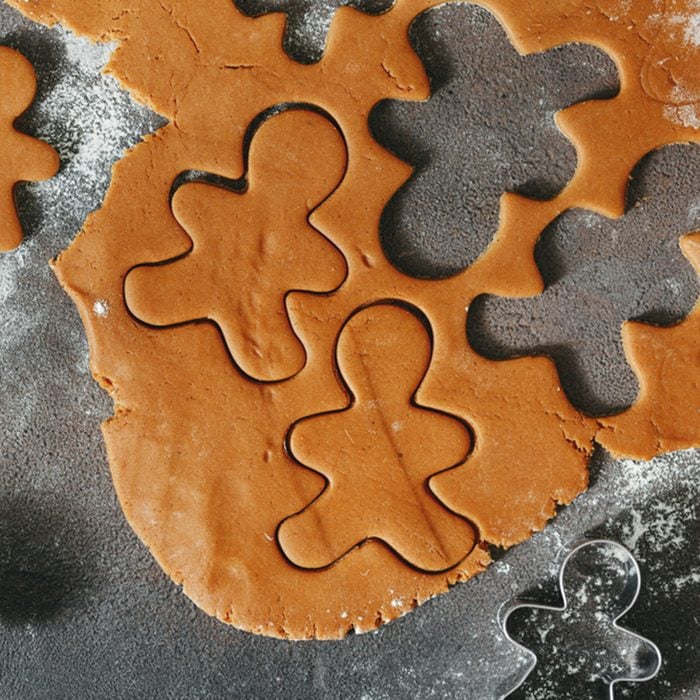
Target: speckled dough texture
(198, 451)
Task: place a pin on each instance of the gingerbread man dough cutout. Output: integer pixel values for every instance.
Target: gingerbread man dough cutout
(379, 453)
(242, 265)
(23, 158)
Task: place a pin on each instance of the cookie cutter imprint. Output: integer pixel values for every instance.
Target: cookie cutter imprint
(633, 584)
(384, 425)
(238, 275)
(485, 135)
(201, 65)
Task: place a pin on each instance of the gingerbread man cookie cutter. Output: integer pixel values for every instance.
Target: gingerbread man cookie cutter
(586, 554)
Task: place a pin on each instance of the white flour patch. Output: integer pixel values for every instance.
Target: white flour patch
(687, 115)
(101, 308)
(90, 121)
(685, 110)
(692, 29)
(90, 58)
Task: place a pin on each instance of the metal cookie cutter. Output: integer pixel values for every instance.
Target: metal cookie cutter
(599, 581)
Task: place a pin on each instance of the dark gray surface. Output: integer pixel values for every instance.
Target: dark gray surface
(85, 611)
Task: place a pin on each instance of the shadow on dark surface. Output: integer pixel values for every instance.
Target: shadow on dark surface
(41, 571)
(600, 273)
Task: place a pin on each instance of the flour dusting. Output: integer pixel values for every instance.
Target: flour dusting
(687, 115)
(90, 121)
(450, 647)
(692, 28)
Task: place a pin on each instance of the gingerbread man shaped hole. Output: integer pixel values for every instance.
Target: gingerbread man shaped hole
(250, 248)
(24, 159)
(378, 454)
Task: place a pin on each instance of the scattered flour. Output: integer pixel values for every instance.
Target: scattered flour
(685, 110)
(90, 121)
(11, 265)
